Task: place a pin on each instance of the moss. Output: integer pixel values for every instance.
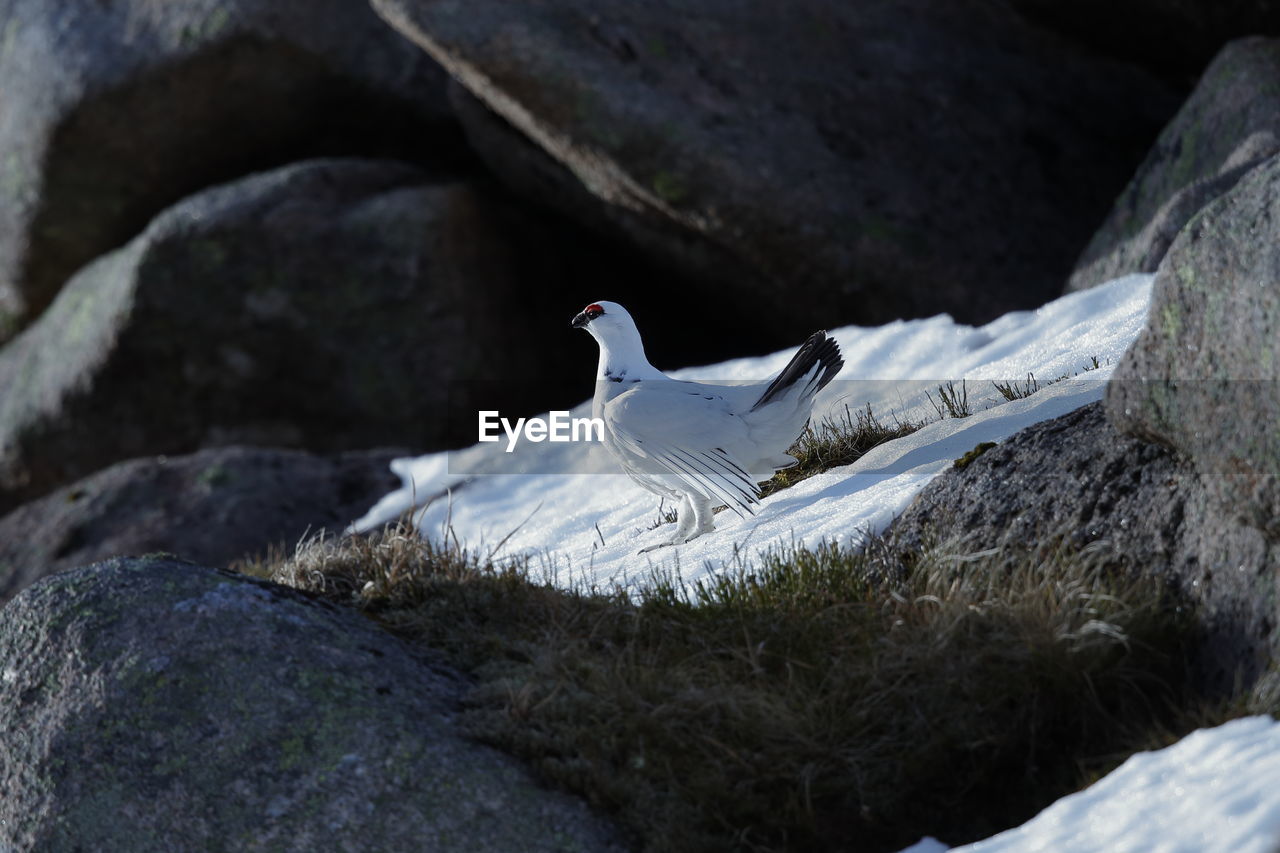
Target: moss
(15, 178)
(1186, 167)
(216, 21)
(967, 460)
(8, 39)
(670, 187)
(294, 752)
(208, 28)
(9, 323)
(1160, 412)
(1171, 321)
(214, 476)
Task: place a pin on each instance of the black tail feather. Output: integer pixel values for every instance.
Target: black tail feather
(819, 350)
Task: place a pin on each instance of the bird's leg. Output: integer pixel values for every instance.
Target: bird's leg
(685, 516)
(703, 518)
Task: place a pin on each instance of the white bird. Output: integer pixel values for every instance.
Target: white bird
(698, 444)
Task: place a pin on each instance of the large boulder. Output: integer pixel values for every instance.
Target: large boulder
(1203, 377)
(114, 111)
(1183, 476)
(1230, 124)
(212, 507)
(856, 162)
(151, 705)
(1075, 482)
(328, 305)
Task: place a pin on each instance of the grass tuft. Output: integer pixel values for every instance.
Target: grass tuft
(952, 402)
(664, 516)
(1013, 390)
(836, 440)
(826, 699)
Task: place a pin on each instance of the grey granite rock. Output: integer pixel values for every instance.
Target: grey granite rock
(330, 304)
(114, 111)
(1131, 504)
(1229, 124)
(152, 705)
(1203, 376)
(818, 159)
(211, 507)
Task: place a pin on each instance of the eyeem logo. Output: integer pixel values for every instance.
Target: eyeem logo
(558, 426)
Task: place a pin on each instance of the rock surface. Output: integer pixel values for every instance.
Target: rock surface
(328, 305)
(1129, 503)
(1230, 124)
(859, 162)
(114, 111)
(211, 507)
(1203, 376)
(150, 705)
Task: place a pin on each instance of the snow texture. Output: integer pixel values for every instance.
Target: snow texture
(587, 526)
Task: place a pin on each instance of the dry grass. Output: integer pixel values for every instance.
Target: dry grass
(827, 700)
(835, 441)
(1014, 390)
(952, 402)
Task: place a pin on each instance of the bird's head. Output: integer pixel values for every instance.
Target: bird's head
(605, 320)
(621, 351)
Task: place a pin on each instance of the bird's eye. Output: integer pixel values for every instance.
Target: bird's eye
(593, 311)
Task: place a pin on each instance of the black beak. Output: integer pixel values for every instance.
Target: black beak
(580, 320)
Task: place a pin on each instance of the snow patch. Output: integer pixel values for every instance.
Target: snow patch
(1215, 791)
(588, 526)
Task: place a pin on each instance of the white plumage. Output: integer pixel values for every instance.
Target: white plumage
(698, 444)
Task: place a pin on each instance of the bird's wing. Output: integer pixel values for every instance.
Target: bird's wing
(687, 430)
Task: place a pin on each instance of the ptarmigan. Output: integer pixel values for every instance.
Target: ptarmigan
(699, 445)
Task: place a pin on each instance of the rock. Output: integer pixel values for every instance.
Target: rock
(327, 305)
(850, 162)
(153, 705)
(212, 507)
(1130, 504)
(1174, 38)
(114, 111)
(1202, 375)
(1088, 484)
(536, 176)
(1230, 124)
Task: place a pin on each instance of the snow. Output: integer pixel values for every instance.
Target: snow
(1215, 791)
(567, 507)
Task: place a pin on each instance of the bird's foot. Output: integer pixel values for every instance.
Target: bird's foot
(656, 547)
(685, 533)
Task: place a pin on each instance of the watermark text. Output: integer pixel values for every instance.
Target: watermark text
(557, 426)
